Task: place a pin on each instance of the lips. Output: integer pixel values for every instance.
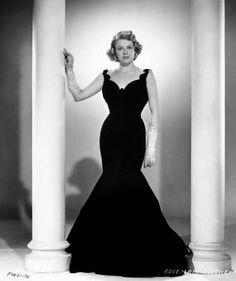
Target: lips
(125, 57)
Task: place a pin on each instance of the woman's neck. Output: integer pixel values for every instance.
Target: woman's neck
(126, 68)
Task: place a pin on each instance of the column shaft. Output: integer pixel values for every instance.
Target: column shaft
(208, 133)
(48, 200)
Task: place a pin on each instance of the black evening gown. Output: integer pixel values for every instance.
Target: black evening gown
(120, 229)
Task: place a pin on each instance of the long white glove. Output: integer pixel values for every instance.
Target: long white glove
(70, 76)
(151, 144)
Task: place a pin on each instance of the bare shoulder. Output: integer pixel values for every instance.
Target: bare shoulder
(99, 78)
(150, 73)
(150, 76)
(111, 71)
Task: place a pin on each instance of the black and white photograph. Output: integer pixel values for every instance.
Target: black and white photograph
(118, 140)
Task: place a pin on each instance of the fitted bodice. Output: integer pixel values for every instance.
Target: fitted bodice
(128, 101)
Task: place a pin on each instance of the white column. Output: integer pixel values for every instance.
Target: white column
(48, 243)
(208, 137)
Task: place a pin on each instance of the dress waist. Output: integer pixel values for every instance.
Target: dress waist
(117, 125)
(122, 117)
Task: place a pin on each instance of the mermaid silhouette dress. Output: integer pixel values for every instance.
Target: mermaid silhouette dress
(120, 229)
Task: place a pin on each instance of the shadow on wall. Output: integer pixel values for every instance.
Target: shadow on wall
(82, 180)
(230, 106)
(16, 234)
(15, 203)
(176, 167)
(230, 230)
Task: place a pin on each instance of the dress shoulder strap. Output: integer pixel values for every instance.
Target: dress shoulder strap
(105, 75)
(144, 74)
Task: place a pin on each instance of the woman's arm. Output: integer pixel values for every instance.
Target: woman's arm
(151, 143)
(80, 94)
(153, 98)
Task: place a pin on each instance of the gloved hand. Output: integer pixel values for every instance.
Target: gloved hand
(68, 59)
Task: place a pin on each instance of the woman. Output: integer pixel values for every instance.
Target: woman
(120, 229)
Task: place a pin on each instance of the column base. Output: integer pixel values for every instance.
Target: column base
(47, 259)
(210, 258)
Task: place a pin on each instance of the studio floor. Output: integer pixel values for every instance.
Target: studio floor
(15, 235)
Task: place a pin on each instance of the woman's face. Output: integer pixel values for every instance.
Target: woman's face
(124, 51)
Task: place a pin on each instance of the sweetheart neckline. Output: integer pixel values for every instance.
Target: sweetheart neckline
(124, 88)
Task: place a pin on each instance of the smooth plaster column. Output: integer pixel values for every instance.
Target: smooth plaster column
(48, 242)
(208, 138)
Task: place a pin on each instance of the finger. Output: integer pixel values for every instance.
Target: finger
(65, 52)
(65, 55)
(69, 54)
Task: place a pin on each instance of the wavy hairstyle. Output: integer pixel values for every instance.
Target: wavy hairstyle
(128, 35)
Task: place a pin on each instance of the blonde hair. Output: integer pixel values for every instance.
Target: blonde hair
(128, 35)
